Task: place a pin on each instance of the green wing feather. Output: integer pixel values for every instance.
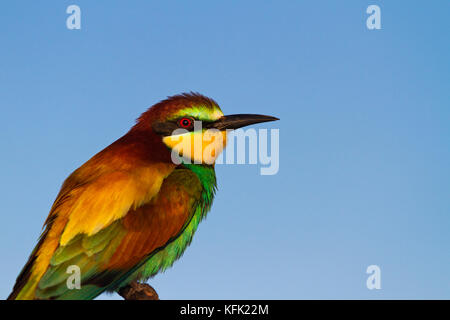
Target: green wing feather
(86, 252)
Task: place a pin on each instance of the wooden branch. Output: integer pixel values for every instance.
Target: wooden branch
(138, 291)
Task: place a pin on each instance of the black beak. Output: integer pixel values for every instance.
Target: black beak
(236, 121)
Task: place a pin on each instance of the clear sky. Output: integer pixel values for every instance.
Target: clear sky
(364, 173)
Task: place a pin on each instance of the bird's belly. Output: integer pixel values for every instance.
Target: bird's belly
(176, 213)
(151, 227)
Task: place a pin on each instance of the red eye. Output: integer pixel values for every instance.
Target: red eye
(185, 122)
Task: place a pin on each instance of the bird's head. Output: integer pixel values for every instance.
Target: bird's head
(193, 126)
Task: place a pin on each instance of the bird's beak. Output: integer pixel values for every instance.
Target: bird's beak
(236, 121)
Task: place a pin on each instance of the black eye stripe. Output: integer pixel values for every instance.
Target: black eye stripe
(166, 128)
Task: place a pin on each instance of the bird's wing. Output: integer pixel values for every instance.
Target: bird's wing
(88, 223)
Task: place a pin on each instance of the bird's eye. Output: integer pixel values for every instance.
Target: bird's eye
(185, 123)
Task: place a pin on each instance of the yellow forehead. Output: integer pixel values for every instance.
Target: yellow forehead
(200, 113)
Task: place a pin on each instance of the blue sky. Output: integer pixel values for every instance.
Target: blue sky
(364, 135)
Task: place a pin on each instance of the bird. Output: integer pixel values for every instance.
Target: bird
(131, 210)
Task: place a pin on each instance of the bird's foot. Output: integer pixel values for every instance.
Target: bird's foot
(138, 291)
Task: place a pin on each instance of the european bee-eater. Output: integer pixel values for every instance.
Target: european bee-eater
(131, 210)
